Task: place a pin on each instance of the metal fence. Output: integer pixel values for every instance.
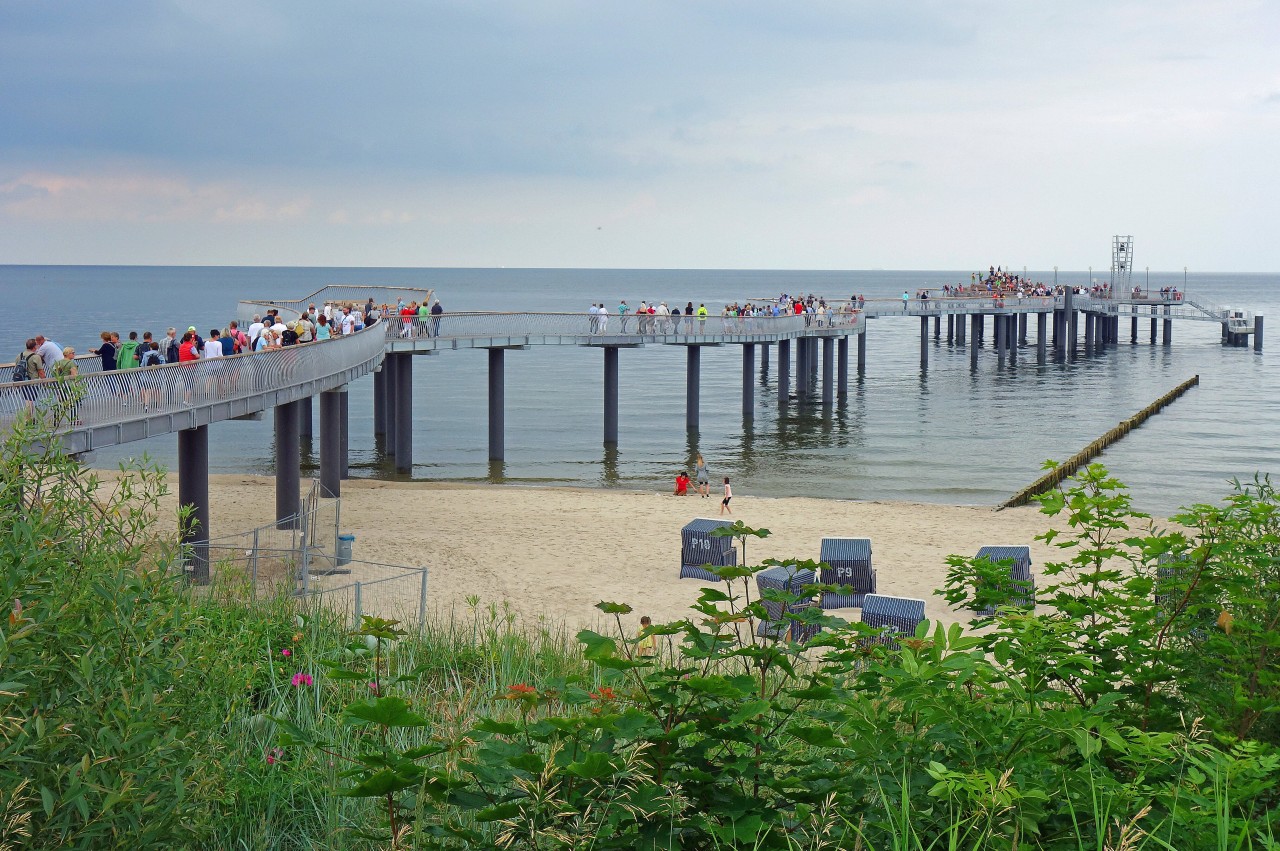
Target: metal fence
(626, 328)
(301, 560)
(106, 398)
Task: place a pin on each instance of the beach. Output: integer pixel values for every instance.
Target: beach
(554, 553)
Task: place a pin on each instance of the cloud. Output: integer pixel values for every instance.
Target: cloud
(116, 197)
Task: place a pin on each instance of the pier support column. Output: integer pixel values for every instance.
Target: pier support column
(288, 456)
(193, 491)
(924, 342)
(1014, 324)
(1153, 327)
(1168, 332)
(975, 332)
(862, 352)
(1022, 329)
(951, 327)
(1073, 321)
(937, 327)
(1089, 323)
(404, 413)
(611, 395)
(1257, 333)
(748, 381)
(842, 368)
(497, 404)
(693, 376)
(345, 422)
(1042, 320)
(330, 444)
(784, 372)
(1133, 330)
(305, 418)
(380, 400)
(960, 325)
(998, 335)
(764, 358)
(389, 403)
(828, 371)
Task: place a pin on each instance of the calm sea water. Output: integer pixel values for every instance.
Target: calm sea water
(948, 435)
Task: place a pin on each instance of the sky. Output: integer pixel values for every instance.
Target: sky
(904, 134)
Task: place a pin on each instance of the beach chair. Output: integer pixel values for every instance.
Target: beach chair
(848, 562)
(896, 616)
(698, 547)
(788, 579)
(1021, 580)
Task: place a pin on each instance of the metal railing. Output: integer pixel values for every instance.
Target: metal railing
(106, 398)
(333, 294)
(624, 328)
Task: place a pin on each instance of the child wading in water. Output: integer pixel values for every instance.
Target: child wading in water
(648, 644)
(728, 495)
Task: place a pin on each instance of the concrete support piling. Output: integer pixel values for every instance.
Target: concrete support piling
(1088, 333)
(1257, 333)
(764, 358)
(960, 326)
(975, 333)
(951, 327)
(693, 377)
(288, 457)
(748, 381)
(998, 335)
(344, 421)
(1168, 332)
(330, 444)
(862, 353)
(193, 491)
(924, 342)
(1133, 330)
(842, 368)
(497, 404)
(389, 403)
(1153, 327)
(1022, 329)
(380, 400)
(802, 368)
(937, 327)
(404, 413)
(828, 372)
(611, 396)
(784, 372)
(1042, 320)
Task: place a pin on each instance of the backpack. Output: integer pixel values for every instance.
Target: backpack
(151, 358)
(20, 372)
(289, 337)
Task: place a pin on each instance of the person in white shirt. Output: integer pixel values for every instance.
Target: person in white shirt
(348, 322)
(602, 319)
(213, 345)
(591, 323)
(255, 330)
(49, 352)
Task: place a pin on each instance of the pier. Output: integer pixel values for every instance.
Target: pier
(187, 398)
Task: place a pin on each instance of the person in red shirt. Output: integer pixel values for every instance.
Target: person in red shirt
(682, 484)
(407, 315)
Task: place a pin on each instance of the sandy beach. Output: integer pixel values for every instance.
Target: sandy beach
(556, 552)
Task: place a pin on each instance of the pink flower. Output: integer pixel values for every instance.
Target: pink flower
(373, 687)
(274, 755)
(286, 652)
(301, 679)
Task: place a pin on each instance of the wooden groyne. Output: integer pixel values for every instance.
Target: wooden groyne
(1054, 477)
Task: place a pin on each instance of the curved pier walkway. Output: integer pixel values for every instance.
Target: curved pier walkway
(103, 409)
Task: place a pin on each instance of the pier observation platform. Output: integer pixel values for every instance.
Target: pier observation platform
(99, 409)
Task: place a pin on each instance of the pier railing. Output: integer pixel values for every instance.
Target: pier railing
(624, 329)
(334, 294)
(106, 398)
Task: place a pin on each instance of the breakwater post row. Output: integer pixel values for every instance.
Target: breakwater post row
(1058, 474)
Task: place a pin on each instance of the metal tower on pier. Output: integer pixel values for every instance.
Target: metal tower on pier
(1121, 265)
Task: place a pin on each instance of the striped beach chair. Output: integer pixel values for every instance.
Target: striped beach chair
(896, 616)
(788, 579)
(848, 562)
(698, 547)
(1022, 581)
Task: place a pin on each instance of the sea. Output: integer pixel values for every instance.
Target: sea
(947, 434)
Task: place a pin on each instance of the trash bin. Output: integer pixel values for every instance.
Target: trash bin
(344, 548)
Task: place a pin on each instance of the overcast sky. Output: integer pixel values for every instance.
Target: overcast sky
(735, 134)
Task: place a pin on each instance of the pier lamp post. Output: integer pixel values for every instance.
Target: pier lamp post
(1148, 282)
(1055, 277)
(1184, 281)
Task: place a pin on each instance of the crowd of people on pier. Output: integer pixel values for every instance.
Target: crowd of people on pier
(130, 360)
(736, 318)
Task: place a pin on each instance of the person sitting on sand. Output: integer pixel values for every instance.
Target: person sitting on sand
(682, 484)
